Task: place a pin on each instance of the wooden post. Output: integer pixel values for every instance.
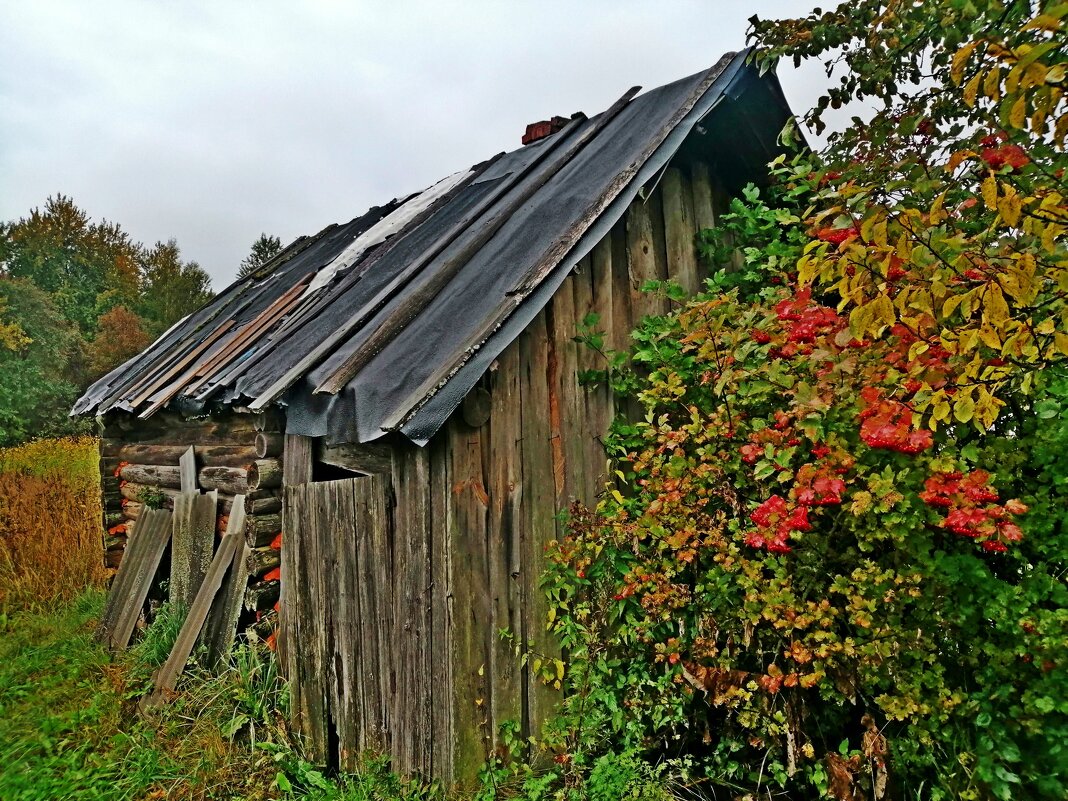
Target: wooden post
(297, 461)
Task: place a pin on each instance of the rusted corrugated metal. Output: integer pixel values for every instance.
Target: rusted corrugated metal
(386, 322)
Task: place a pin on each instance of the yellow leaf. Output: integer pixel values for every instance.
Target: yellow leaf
(990, 191)
(883, 310)
(986, 409)
(958, 158)
(1061, 128)
(1018, 113)
(1055, 74)
(860, 320)
(989, 337)
(960, 58)
(992, 84)
(963, 407)
(1061, 342)
(1010, 207)
(971, 89)
(937, 213)
(995, 309)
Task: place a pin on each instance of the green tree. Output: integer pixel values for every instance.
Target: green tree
(86, 267)
(170, 287)
(35, 365)
(263, 250)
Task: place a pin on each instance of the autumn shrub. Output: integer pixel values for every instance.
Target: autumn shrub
(50, 518)
(834, 564)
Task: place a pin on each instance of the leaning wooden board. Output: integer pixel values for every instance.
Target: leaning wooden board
(134, 578)
(167, 676)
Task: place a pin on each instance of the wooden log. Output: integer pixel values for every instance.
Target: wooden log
(266, 625)
(262, 506)
(132, 510)
(262, 560)
(261, 529)
(113, 519)
(265, 474)
(270, 421)
(139, 492)
(227, 480)
(232, 455)
(262, 595)
(114, 543)
(109, 483)
(153, 475)
(370, 458)
(269, 444)
(476, 407)
(113, 558)
(111, 499)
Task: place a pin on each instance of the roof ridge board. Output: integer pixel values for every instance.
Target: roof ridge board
(402, 279)
(410, 307)
(556, 253)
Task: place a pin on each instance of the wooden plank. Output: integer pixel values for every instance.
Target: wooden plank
(468, 503)
(506, 492)
(412, 579)
(187, 468)
(297, 460)
(679, 229)
(441, 601)
(641, 261)
(701, 183)
(297, 455)
(167, 676)
(566, 396)
(348, 675)
(315, 548)
(153, 541)
(292, 608)
(221, 624)
(192, 545)
(539, 502)
(141, 544)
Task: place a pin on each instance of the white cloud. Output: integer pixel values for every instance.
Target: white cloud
(211, 122)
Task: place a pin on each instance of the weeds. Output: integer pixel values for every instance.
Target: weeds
(50, 535)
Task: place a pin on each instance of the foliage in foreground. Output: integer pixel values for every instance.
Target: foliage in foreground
(835, 561)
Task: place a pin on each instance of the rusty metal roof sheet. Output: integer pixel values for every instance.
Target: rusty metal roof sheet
(384, 323)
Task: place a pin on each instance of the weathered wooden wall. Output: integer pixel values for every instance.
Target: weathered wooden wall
(474, 510)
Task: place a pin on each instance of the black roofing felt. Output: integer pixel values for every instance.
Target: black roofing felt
(395, 339)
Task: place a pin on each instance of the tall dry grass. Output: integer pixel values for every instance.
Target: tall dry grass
(50, 537)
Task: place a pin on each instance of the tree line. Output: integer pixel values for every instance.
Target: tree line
(77, 299)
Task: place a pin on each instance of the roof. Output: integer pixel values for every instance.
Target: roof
(386, 322)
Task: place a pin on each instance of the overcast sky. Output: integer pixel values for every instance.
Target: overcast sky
(210, 122)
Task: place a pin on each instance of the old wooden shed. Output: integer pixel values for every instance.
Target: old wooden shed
(400, 396)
